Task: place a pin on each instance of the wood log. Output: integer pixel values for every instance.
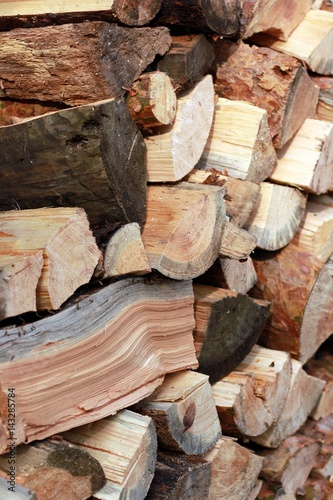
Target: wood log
(183, 230)
(124, 254)
(276, 218)
(306, 160)
(53, 470)
(321, 430)
(321, 367)
(310, 42)
(242, 196)
(90, 346)
(291, 463)
(129, 12)
(252, 397)
(102, 54)
(299, 287)
(152, 100)
(184, 413)
(175, 150)
(90, 156)
(254, 493)
(249, 155)
(189, 58)
(315, 232)
(303, 395)
(125, 445)
(227, 325)
(180, 476)
(277, 18)
(275, 82)
(210, 16)
(325, 102)
(236, 243)
(235, 470)
(66, 250)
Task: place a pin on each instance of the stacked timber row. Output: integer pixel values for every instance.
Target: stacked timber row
(166, 241)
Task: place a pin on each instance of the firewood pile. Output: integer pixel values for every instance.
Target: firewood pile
(166, 250)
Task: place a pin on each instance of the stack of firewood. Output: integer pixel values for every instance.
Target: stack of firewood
(166, 242)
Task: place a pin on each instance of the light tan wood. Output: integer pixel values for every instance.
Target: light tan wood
(302, 397)
(277, 216)
(311, 41)
(235, 275)
(236, 243)
(183, 229)
(239, 142)
(306, 160)
(112, 347)
(174, 151)
(69, 250)
(235, 470)
(325, 102)
(125, 445)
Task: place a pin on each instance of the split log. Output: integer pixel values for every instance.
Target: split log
(189, 58)
(129, 12)
(291, 463)
(235, 275)
(152, 100)
(302, 397)
(311, 41)
(124, 254)
(220, 17)
(125, 445)
(180, 476)
(101, 53)
(315, 232)
(242, 196)
(236, 243)
(90, 156)
(54, 470)
(184, 413)
(183, 229)
(235, 470)
(277, 216)
(321, 367)
(321, 430)
(239, 142)
(325, 102)
(275, 82)
(299, 287)
(93, 346)
(175, 150)
(64, 246)
(227, 325)
(252, 398)
(277, 18)
(306, 160)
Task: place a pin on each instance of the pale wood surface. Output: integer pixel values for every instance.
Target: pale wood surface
(325, 103)
(236, 243)
(321, 367)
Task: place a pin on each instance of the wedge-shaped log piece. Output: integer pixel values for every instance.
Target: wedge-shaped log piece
(303, 395)
(276, 218)
(239, 142)
(112, 348)
(173, 152)
(227, 325)
(321, 367)
(291, 463)
(53, 470)
(236, 243)
(299, 287)
(235, 470)
(275, 82)
(189, 58)
(62, 238)
(180, 476)
(130, 12)
(220, 17)
(101, 53)
(125, 445)
(325, 102)
(307, 159)
(184, 413)
(315, 233)
(311, 41)
(90, 156)
(275, 17)
(270, 373)
(242, 196)
(183, 230)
